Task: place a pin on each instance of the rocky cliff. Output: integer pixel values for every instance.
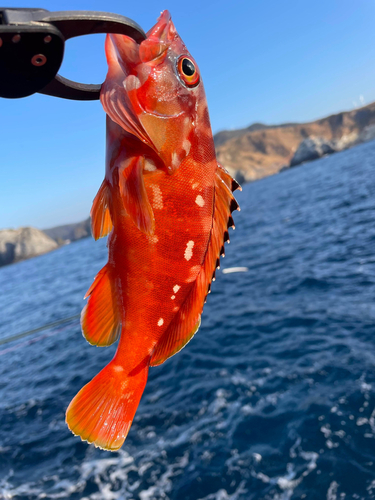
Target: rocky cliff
(26, 242)
(260, 150)
(23, 243)
(70, 232)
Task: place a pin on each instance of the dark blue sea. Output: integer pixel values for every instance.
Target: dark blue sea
(273, 398)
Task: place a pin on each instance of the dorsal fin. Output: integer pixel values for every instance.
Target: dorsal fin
(187, 321)
(100, 318)
(227, 178)
(101, 222)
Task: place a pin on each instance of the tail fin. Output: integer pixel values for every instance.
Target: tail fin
(103, 410)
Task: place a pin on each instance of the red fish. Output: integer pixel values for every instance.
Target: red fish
(166, 204)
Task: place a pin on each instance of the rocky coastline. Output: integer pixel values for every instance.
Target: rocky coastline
(261, 150)
(313, 148)
(23, 243)
(26, 242)
(69, 232)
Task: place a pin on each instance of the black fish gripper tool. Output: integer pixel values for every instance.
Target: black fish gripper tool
(32, 49)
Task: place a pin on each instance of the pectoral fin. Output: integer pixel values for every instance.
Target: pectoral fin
(101, 222)
(134, 195)
(100, 318)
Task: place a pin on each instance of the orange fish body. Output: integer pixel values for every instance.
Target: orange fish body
(166, 203)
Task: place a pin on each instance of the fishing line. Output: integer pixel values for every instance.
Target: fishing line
(36, 330)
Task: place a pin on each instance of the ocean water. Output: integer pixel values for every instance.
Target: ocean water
(274, 398)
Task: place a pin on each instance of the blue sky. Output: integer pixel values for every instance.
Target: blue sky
(271, 61)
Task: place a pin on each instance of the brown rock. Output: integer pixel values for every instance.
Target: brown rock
(70, 232)
(253, 153)
(23, 243)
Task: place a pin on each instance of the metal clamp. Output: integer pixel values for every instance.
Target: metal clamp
(32, 49)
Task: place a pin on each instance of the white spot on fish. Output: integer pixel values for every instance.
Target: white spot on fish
(195, 185)
(150, 166)
(175, 309)
(189, 250)
(193, 273)
(160, 322)
(118, 368)
(131, 82)
(157, 202)
(153, 239)
(186, 145)
(177, 287)
(199, 201)
(175, 160)
(173, 297)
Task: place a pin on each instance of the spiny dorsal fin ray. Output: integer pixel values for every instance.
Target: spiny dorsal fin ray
(100, 318)
(227, 178)
(180, 331)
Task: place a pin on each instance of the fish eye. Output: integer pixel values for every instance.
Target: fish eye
(187, 67)
(187, 71)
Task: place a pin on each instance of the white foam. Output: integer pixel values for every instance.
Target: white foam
(290, 480)
(230, 270)
(362, 421)
(223, 494)
(332, 491)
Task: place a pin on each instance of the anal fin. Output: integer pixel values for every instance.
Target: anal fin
(174, 339)
(100, 318)
(101, 222)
